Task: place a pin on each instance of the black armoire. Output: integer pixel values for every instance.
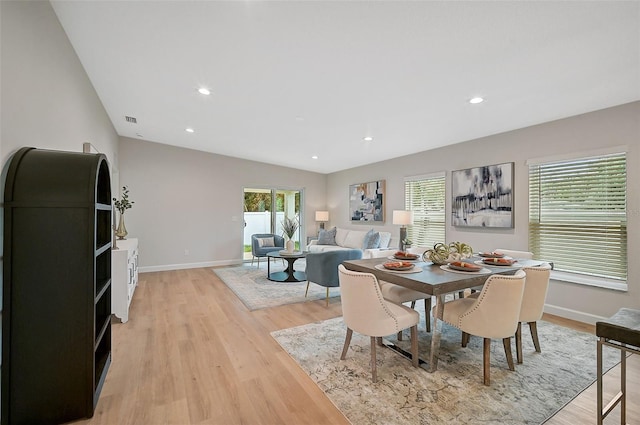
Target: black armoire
(56, 327)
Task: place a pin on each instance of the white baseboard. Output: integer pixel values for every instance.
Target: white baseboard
(568, 313)
(188, 266)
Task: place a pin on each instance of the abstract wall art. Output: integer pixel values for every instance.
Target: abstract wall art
(483, 196)
(366, 201)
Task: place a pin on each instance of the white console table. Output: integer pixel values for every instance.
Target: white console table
(124, 277)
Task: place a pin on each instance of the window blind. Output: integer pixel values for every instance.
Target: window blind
(425, 196)
(577, 215)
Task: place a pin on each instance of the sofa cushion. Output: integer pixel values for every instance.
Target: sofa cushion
(385, 238)
(371, 240)
(341, 236)
(266, 241)
(327, 237)
(355, 239)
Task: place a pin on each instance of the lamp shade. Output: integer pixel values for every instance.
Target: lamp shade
(402, 217)
(322, 215)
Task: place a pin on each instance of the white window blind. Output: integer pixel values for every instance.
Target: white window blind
(425, 196)
(577, 215)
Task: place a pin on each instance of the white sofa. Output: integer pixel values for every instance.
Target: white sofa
(354, 239)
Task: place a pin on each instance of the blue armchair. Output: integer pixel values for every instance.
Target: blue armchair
(259, 250)
(322, 267)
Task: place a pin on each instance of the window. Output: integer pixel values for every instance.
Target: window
(425, 196)
(577, 216)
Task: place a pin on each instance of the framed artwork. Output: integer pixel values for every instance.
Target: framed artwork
(366, 201)
(483, 196)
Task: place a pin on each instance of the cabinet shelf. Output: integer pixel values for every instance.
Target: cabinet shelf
(56, 327)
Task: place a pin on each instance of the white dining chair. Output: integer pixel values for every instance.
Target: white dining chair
(493, 314)
(522, 255)
(535, 294)
(365, 311)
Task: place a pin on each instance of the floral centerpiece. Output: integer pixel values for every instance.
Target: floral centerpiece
(289, 228)
(122, 205)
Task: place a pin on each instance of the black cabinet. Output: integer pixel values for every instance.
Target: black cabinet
(56, 319)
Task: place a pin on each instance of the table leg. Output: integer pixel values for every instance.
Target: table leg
(436, 333)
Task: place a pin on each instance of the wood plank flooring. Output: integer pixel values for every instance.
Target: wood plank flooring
(192, 353)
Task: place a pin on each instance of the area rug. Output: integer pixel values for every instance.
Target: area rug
(251, 285)
(454, 394)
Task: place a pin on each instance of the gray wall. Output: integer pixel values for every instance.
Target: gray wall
(589, 132)
(47, 100)
(191, 200)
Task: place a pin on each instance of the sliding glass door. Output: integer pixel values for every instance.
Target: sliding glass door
(266, 209)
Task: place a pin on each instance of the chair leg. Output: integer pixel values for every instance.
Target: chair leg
(465, 339)
(413, 304)
(374, 371)
(427, 313)
(379, 341)
(327, 299)
(400, 336)
(533, 327)
(519, 342)
(507, 351)
(347, 341)
(486, 360)
(307, 290)
(414, 345)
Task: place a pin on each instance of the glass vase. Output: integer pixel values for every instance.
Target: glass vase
(121, 231)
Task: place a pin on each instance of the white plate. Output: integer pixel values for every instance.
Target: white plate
(481, 271)
(413, 270)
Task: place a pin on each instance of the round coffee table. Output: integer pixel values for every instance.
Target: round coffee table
(289, 274)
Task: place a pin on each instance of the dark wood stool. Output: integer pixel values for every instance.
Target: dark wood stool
(621, 331)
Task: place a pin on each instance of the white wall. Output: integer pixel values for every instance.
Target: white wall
(601, 129)
(191, 200)
(47, 100)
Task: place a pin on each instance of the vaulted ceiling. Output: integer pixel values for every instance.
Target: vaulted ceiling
(290, 80)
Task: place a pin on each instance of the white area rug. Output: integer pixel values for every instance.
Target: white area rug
(454, 394)
(253, 288)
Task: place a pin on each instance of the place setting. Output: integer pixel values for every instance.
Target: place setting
(464, 267)
(496, 259)
(399, 266)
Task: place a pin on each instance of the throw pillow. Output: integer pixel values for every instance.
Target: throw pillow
(327, 237)
(371, 240)
(266, 242)
(385, 238)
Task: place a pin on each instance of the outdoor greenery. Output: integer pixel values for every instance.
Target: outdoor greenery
(259, 202)
(124, 203)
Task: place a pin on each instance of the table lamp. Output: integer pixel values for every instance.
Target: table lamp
(402, 218)
(322, 217)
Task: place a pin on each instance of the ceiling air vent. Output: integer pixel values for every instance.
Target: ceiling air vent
(132, 120)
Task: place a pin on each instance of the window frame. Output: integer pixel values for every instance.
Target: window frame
(578, 277)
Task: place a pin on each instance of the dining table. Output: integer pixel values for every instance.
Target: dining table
(436, 281)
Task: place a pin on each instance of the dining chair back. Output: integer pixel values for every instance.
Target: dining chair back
(493, 314)
(365, 311)
(522, 255)
(535, 294)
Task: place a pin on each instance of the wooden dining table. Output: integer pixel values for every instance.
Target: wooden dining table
(436, 281)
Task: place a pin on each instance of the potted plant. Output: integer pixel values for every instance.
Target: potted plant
(289, 228)
(122, 205)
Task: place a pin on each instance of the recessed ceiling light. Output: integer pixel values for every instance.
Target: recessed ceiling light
(475, 100)
(204, 90)
(314, 157)
(368, 139)
(189, 130)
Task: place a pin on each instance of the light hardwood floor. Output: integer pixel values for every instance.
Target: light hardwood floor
(192, 353)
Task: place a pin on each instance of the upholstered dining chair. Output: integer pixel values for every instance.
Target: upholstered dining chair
(322, 267)
(263, 243)
(493, 314)
(523, 255)
(399, 295)
(535, 294)
(365, 311)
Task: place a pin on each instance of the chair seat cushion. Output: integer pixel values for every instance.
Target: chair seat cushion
(399, 294)
(624, 327)
(405, 316)
(454, 309)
